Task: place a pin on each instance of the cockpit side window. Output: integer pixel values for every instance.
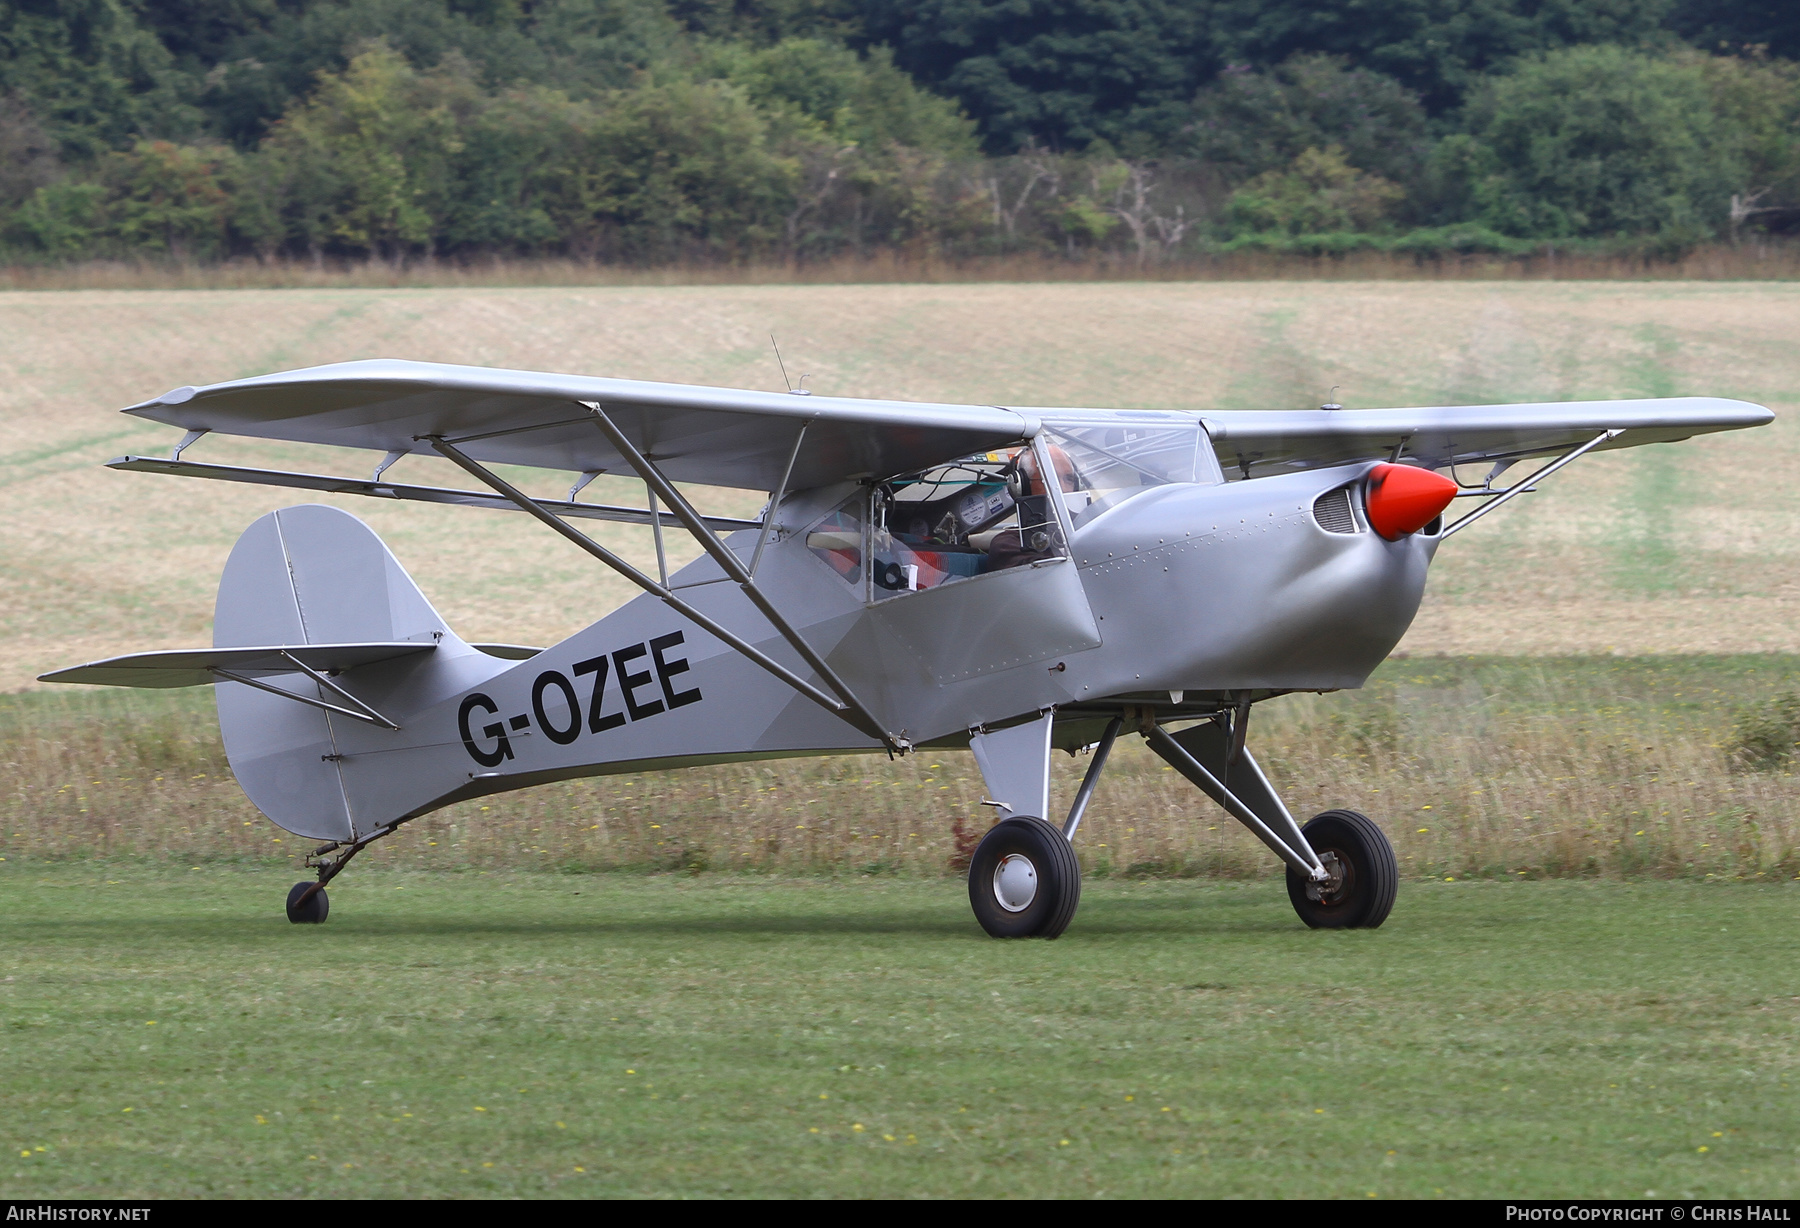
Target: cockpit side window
(980, 514)
(838, 539)
(1113, 461)
(994, 510)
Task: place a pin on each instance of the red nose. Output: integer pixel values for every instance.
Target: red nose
(1403, 499)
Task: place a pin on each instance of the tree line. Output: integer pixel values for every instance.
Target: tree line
(653, 131)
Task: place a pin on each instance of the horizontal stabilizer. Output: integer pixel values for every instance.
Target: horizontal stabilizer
(196, 666)
(509, 652)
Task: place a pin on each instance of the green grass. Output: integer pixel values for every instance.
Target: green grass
(573, 1035)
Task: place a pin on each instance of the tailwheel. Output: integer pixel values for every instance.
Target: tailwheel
(313, 910)
(1363, 874)
(1024, 881)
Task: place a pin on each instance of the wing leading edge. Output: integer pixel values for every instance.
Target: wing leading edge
(710, 436)
(739, 438)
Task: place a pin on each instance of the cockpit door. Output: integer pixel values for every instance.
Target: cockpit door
(994, 622)
(1024, 602)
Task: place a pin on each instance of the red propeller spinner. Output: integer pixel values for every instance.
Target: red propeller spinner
(1402, 499)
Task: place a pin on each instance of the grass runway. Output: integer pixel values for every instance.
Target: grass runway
(445, 1035)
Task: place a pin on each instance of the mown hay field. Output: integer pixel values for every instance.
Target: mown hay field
(1529, 757)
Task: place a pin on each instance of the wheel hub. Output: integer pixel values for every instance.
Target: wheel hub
(1015, 882)
(1329, 891)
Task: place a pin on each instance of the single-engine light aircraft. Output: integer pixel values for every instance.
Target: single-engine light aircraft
(1013, 580)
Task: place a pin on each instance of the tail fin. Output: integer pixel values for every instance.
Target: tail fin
(315, 575)
(311, 575)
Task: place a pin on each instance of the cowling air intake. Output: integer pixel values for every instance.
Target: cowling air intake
(1402, 499)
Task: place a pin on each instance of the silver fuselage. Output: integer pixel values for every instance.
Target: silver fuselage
(1177, 596)
(1193, 589)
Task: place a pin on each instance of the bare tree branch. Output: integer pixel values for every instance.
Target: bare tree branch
(1042, 170)
(823, 175)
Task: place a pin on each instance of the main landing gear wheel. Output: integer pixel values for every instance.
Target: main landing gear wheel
(1024, 881)
(313, 912)
(1364, 874)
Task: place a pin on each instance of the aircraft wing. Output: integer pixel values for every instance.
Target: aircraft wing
(1264, 441)
(738, 438)
(710, 436)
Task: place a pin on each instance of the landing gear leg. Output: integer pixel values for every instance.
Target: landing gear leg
(1341, 869)
(307, 903)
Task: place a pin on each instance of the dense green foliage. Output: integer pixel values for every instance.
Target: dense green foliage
(657, 130)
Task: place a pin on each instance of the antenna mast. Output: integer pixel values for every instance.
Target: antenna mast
(784, 375)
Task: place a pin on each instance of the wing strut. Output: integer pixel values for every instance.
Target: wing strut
(375, 487)
(733, 566)
(1519, 488)
(781, 491)
(851, 711)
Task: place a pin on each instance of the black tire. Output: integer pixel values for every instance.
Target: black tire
(313, 912)
(1048, 870)
(1350, 842)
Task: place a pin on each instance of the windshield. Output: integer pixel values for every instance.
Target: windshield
(1113, 461)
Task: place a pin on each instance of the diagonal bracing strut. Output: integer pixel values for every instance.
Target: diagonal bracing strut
(844, 705)
(1291, 846)
(360, 710)
(1085, 794)
(1519, 488)
(733, 566)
